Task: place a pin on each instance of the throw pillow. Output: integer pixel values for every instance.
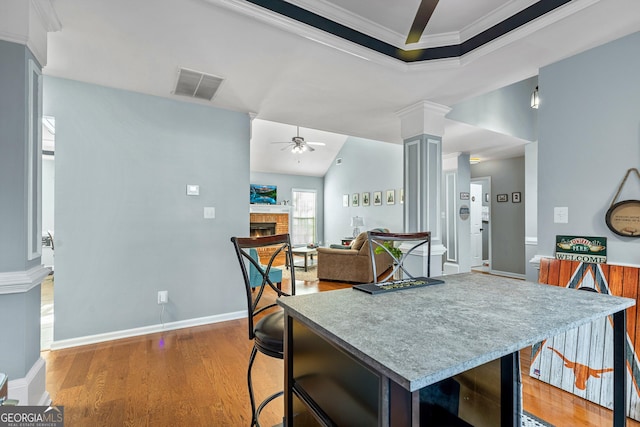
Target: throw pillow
(359, 241)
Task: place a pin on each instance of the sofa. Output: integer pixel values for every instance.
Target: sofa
(352, 263)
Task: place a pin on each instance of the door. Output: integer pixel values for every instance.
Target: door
(476, 225)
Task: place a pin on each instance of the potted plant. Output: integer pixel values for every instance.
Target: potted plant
(397, 254)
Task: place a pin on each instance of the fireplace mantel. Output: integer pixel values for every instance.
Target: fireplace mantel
(269, 209)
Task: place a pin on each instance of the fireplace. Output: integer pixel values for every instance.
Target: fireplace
(260, 229)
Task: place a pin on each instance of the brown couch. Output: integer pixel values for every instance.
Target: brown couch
(352, 264)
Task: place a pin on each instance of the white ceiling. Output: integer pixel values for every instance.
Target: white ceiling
(288, 72)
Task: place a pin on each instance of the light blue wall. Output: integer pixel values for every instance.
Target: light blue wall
(13, 149)
(285, 185)
(125, 227)
(506, 110)
(19, 312)
(367, 166)
(589, 136)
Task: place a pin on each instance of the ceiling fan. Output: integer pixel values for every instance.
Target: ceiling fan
(425, 10)
(298, 145)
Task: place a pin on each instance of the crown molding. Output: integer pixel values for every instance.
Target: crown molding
(382, 50)
(27, 23)
(308, 32)
(47, 14)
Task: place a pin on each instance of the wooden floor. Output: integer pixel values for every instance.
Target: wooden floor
(197, 377)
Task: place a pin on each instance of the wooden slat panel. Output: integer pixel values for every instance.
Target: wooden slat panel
(566, 270)
(543, 275)
(554, 273)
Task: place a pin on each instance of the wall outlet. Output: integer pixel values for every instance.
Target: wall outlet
(163, 297)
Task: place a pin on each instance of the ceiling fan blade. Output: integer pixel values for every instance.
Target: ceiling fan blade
(315, 143)
(281, 142)
(310, 148)
(286, 147)
(421, 20)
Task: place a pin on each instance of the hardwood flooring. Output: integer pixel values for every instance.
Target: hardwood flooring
(197, 377)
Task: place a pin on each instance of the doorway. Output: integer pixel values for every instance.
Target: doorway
(480, 215)
(48, 233)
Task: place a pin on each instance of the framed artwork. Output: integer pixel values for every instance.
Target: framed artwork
(345, 200)
(401, 191)
(365, 199)
(391, 197)
(503, 197)
(355, 199)
(377, 198)
(515, 197)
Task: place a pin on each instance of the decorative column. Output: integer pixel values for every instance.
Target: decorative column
(23, 33)
(422, 128)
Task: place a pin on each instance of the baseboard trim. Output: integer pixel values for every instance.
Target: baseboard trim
(508, 274)
(31, 390)
(128, 333)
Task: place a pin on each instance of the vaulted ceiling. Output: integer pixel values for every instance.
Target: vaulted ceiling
(339, 66)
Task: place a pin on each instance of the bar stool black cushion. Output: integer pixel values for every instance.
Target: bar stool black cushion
(269, 332)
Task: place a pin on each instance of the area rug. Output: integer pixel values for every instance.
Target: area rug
(309, 276)
(529, 420)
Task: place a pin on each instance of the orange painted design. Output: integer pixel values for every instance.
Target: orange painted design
(581, 372)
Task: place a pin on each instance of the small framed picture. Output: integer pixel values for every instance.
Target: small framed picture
(345, 200)
(503, 197)
(401, 195)
(365, 199)
(391, 197)
(355, 199)
(515, 197)
(377, 198)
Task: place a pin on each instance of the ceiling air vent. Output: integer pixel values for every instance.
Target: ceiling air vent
(196, 84)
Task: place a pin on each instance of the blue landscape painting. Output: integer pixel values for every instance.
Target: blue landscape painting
(263, 194)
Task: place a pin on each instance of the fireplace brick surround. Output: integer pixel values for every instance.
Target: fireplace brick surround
(281, 221)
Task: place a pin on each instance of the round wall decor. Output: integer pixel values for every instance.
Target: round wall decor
(623, 218)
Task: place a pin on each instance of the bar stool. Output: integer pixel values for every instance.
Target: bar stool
(267, 331)
(386, 242)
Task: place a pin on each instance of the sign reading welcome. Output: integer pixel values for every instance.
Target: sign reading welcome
(585, 249)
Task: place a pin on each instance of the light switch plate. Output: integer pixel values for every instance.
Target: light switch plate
(561, 215)
(193, 190)
(209, 213)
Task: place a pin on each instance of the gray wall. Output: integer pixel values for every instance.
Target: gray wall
(285, 185)
(507, 218)
(125, 228)
(506, 110)
(367, 166)
(589, 137)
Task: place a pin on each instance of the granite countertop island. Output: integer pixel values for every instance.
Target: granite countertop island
(417, 337)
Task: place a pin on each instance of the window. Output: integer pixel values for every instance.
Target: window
(303, 223)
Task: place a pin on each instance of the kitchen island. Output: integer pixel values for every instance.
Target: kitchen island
(352, 358)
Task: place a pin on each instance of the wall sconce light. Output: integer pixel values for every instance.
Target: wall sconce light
(535, 99)
(356, 223)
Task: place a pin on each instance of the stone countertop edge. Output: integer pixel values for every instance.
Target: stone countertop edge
(464, 342)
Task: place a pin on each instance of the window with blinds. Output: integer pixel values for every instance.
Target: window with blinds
(303, 217)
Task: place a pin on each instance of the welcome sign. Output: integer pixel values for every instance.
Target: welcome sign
(585, 249)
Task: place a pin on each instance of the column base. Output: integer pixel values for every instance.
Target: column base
(30, 390)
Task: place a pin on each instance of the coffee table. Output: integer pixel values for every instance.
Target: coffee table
(303, 252)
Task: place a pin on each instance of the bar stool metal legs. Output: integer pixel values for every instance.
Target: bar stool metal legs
(256, 412)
